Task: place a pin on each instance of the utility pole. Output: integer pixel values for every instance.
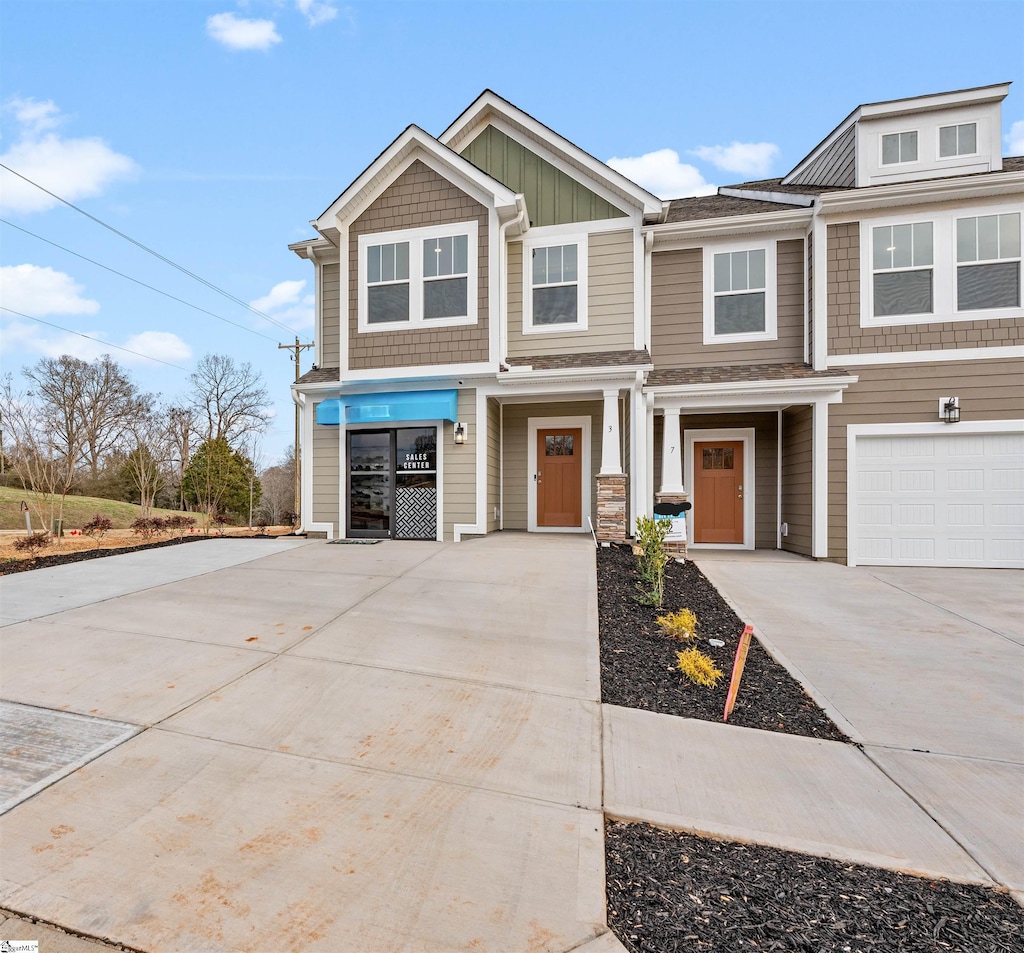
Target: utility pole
(298, 349)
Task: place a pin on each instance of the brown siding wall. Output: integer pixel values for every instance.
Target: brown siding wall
(330, 315)
(516, 451)
(846, 336)
(765, 462)
(325, 473)
(417, 198)
(988, 390)
(797, 476)
(677, 312)
(609, 301)
(459, 464)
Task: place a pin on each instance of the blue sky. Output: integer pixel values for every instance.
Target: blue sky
(214, 131)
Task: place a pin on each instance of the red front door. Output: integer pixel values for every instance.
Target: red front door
(718, 492)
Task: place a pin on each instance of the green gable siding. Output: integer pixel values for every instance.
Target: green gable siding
(552, 197)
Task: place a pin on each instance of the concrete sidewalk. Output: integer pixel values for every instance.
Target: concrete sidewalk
(391, 747)
(922, 668)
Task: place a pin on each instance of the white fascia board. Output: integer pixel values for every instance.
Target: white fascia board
(785, 198)
(428, 372)
(805, 388)
(986, 185)
(557, 147)
(932, 101)
(574, 374)
(687, 234)
(1008, 352)
(412, 141)
(557, 389)
(314, 249)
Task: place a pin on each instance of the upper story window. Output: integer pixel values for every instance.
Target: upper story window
(739, 293)
(421, 277)
(988, 262)
(902, 259)
(555, 285)
(899, 147)
(961, 140)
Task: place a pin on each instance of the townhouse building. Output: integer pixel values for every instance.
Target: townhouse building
(511, 335)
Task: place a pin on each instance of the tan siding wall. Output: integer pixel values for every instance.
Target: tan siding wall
(765, 462)
(460, 467)
(609, 301)
(988, 390)
(677, 312)
(419, 197)
(516, 451)
(846, 336)
(330, 304)
(493, 462)
(810, 298)
(326, 474)
(797, 474)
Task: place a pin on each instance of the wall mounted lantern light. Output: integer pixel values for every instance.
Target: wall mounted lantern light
(949, 409)
(460, 433)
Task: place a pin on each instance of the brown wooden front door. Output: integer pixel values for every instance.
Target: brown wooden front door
(559, 477)
(718, 492)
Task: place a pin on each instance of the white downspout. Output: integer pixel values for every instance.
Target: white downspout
(304, 466)
(503, 276)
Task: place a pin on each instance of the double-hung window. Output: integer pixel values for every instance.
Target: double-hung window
(960, 140)
(739, 293)
(555, 285)
(421, 277)
(899, 147)
(902, 266)
(988, 262)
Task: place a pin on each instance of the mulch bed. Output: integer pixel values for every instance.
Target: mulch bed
(638, 660)
(59, 559)
(671, 891)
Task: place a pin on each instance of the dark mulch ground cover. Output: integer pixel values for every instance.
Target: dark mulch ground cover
(59, 559)
(671, 891)
(638, 660)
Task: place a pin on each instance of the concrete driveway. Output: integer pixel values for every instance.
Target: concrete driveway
(329, 747)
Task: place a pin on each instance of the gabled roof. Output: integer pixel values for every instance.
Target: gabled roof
(489, 105)
(413, 143)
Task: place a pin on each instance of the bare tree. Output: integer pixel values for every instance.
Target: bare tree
(278, 500)
(146, 463)
(181, 426)
(229, 400)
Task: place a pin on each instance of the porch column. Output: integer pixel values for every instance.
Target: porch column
(671, 454)
(611, 481)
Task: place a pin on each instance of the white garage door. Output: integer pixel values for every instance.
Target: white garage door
(942, 499)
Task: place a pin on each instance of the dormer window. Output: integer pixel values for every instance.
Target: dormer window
(961, 140)
(899, 147)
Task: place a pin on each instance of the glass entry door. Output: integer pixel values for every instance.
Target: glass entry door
(392, 483)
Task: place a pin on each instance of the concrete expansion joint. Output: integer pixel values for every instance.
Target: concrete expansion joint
(8, 914)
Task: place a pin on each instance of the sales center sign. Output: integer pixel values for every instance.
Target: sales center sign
(418, 461)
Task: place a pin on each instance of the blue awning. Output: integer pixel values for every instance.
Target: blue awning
(388, 408)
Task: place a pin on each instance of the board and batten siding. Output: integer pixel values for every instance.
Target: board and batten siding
(846, 336)
(909, 393)
(459, 467)
(326, 474)
(797, 478)
(418, 197)
(610, 301)
(330, 315)
(677, 312)
(516, 457)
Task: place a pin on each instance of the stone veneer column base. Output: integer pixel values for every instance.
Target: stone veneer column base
(675, 549)
(611, 506)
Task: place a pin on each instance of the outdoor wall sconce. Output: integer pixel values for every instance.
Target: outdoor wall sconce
(949, 409)
(460, 433)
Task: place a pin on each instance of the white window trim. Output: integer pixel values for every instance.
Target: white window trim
(771, 317)
(944, 267)
(547, 240)
(415, 237)
(939, 157)
(903, 162)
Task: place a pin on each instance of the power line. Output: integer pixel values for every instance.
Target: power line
(90, 338)
(150, 251)
(121, 274)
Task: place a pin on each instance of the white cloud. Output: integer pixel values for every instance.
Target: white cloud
(72, 168)
(286, 302)
(662, 173)
(38, 291)
(237, 33)
(744, 158)
(1015, 140)
(159, 344)
(317, 11)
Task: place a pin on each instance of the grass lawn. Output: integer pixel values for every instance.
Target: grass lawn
(78, 510)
